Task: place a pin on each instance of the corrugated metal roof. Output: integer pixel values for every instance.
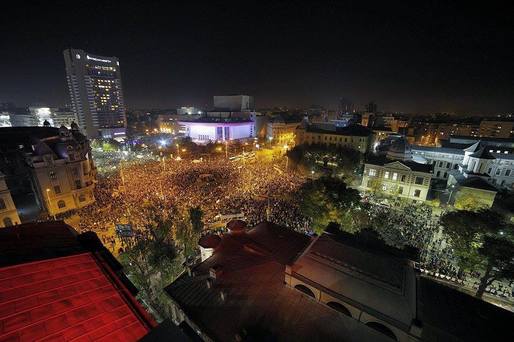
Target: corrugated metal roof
(65, 298)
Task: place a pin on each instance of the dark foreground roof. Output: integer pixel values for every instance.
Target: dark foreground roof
(450, 315)
(249, 298)
(58, 285)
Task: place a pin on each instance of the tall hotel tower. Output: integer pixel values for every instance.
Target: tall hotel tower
(94, 84)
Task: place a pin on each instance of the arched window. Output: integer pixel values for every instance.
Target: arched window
(82, 198)
(340, 307)
(382, 329)
(61, 204)
(305, 289)
(7, 222)
(2, 204)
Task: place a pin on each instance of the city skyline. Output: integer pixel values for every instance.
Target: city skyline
(432, 58)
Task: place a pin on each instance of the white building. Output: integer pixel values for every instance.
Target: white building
(493, 164)
(212, 129)
(405, 179)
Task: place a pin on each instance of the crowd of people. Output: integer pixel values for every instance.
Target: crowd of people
(257, 191)
(254, 189)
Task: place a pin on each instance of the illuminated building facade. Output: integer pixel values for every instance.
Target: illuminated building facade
(282, 131)
(8, 214)
(47, 169)
(94, 84)
(497, 128)
(404, 179)
(356, 136)
(216, 129)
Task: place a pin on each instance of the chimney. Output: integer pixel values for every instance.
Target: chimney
(215, 272)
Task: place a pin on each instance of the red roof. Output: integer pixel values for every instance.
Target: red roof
(68, 298)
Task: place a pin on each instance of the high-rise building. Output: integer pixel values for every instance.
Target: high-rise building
(96, 93)
(371, 107)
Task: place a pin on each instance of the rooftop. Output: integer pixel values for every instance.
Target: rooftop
(477, 183)
(251, 268)
(383, 161)
(352, 130)
(55, 284)
(372, 276)
(210, 119)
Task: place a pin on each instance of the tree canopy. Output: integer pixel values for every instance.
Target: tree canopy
(482, 240)
(329, 201)
(342, 159)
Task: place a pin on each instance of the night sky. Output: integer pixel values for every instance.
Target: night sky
(432, 58)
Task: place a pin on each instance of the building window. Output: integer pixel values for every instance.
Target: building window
(445, 175)
(438, 174)
(400, 190)
(78, 184)
(395, 176)
(57, 189)
(456, 166)
(448, 165)
(498, 171)
(417, 193)
(372, 172)
(82, 198)
(440, 164)
(7, 222)
(403, 178)
(52, 175)
(386, 174)
(2, 204)
(489, 171)
(419, 180)
(507, 172)
(61, 204)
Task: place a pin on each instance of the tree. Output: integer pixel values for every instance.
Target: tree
(188, 227)
(498, 254)
(306, 157)
(196, 218)
(469, 202)
(329, 201)
(151, 261)
(481, 240)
